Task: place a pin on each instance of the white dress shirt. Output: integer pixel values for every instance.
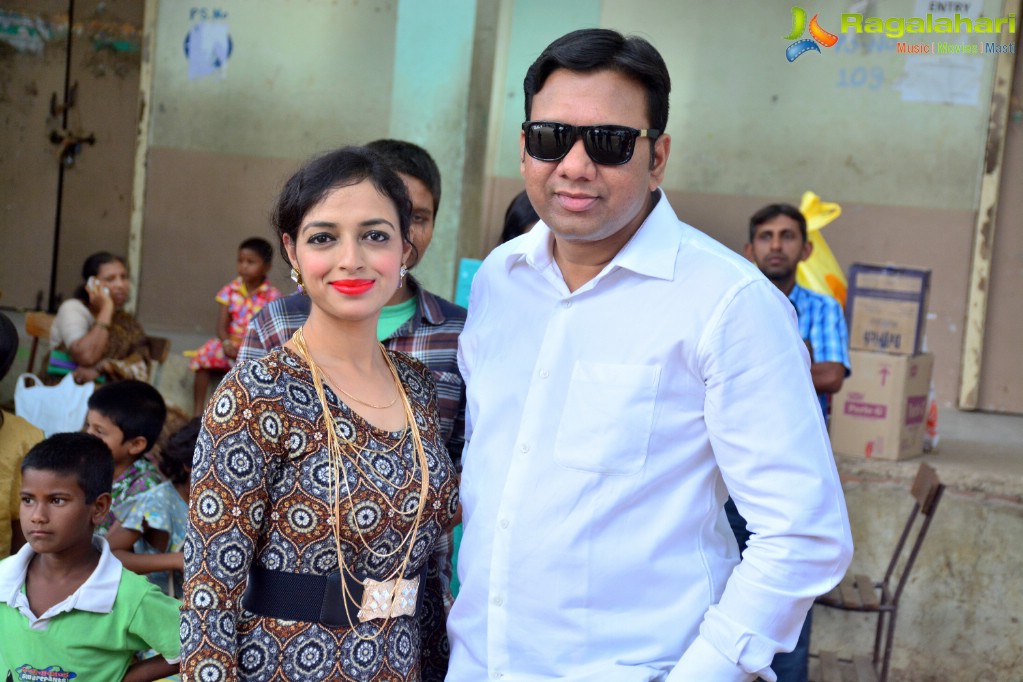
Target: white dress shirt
(605, 428)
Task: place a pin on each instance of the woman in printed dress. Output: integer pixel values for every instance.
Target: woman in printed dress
(319, 483)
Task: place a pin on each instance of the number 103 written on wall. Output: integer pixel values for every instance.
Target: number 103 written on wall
(871, 78)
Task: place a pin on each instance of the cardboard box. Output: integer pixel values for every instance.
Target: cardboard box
(886, 308)
(881, 411)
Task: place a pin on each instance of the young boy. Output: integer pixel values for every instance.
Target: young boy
(68, 609)
(127, 416)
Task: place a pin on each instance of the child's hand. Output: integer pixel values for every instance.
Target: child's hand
(230, 348)
(178, 559)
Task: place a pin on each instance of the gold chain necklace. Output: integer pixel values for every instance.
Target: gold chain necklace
(337, 476)
(358, 451)
(333, 381)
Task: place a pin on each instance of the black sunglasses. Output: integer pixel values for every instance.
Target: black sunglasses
(607, 145)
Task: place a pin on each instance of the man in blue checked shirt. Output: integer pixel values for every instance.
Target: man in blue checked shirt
(777, 244)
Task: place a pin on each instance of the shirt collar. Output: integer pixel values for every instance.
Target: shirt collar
(239, 285)
(96, 594)
(796, 293)
(428, 309)
(652, 251)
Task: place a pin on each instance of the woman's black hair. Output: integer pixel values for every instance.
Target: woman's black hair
(90, 268)
(519, 216)
(339, 168)
(176, 455)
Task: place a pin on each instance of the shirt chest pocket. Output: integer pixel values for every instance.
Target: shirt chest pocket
(605, 424)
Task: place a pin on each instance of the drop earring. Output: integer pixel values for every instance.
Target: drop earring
(401, 276)
(296, 277)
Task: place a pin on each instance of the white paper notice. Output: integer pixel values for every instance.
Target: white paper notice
(207, 49)
(949, 8)
(944, 78)
(948, 79)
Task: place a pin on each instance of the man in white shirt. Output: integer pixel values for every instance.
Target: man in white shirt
(625, 373)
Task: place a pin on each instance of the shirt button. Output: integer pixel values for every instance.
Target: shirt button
(566, 304)
(524, 447)
(497, 675)
(504, 523)
(544, 374)
(498, 600)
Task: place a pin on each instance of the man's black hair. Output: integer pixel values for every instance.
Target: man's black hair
(597, 49)
(133, 406)
(81, 455)
(260, 246)
(772, 211)
(412, 160)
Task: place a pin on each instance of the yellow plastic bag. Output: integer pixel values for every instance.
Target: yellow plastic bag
(821, 271)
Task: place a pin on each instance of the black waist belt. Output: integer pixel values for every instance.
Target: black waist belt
(310, 598)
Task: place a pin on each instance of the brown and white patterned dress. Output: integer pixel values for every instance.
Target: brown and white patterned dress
(260, 497)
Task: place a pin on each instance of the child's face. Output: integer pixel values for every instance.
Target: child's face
(54, 514)
(251, 266)
(102, 427)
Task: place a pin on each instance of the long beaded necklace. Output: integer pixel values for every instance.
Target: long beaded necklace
(337, 470)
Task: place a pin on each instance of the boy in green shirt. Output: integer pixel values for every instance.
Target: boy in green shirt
(68, 609)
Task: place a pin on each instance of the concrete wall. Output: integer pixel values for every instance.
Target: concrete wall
(301, 78)
(750, 128)
(93, 194)
(959, 617)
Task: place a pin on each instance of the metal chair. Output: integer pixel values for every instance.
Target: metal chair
(860, 593)
(37, 325)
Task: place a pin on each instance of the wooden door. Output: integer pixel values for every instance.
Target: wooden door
(69, 75)
(1001, 377)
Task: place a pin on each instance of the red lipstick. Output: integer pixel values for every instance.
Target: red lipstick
(352, 287)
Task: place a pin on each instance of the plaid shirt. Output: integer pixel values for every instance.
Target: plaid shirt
(822, 324)
(430, 336)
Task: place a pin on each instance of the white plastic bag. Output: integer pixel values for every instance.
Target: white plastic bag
(54, 409)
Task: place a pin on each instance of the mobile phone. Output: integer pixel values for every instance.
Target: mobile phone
(92, 283)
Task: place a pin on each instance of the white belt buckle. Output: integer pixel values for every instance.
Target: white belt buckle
(388, 599)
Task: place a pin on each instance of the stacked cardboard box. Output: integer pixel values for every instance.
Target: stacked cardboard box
(881, 411)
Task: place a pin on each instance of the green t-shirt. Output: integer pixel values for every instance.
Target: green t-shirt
(393, 316)
(85, 646)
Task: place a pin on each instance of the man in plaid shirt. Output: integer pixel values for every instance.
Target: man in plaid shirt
(416, 322)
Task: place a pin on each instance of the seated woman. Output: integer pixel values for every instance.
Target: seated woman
(92, 335)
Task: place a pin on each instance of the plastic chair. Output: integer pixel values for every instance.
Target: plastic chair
(859, 593)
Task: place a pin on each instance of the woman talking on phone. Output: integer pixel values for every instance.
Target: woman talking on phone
(92, 335)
